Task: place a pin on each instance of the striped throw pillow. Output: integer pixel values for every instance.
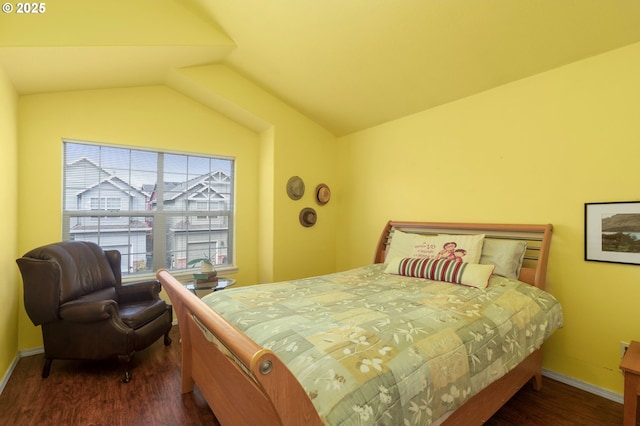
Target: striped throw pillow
(452, 271)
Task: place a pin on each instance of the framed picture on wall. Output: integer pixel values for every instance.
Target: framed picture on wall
(612, 232)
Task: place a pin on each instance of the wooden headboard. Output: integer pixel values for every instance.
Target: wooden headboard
(537, 237)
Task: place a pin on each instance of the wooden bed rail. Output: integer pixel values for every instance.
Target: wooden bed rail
(245, 351)
(226, 352)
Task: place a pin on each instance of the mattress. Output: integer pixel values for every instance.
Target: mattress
(375, 348)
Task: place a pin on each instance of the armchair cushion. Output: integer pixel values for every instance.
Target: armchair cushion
(82, 267)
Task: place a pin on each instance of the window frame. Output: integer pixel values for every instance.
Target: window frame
(218, 230)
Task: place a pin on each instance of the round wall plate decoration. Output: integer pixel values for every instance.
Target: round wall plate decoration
(295, 187)
(323, 194)
(308, 217)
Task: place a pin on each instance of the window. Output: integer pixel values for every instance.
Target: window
(104, 203)
(159, 209)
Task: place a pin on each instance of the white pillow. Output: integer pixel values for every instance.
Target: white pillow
(404, 244)
(467, 248)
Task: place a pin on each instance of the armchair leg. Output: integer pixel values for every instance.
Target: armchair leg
(46, 368)
(167, 339)
(126, 360)
(126, 376)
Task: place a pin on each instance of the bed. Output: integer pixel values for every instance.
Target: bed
(320, 350)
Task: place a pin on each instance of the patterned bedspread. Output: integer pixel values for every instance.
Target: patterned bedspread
(374, 348)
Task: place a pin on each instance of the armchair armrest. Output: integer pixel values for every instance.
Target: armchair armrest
(82, 311)
(140, 290)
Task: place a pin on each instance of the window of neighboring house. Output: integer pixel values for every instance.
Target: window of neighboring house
(159, 209)
(105, 203)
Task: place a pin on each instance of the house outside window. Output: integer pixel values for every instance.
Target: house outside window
(159, 209)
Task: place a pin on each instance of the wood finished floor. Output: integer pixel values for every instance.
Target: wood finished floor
(90, 393)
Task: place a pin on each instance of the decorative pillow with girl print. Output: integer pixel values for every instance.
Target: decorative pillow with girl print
(463, 248)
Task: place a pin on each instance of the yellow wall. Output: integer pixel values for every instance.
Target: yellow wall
(533, 151)
(265, 218)
(8, 219)
(153, 117)
(291, 145)
(269, 139)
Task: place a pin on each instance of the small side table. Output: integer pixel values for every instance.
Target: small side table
(220, 284)
(630, 366)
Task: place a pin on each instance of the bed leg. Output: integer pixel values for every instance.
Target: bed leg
(187, 384)
(536, 381)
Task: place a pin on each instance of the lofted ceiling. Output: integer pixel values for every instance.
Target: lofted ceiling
(346, 64)
(79, 44)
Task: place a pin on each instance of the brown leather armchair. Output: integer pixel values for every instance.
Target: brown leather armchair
(74, 290)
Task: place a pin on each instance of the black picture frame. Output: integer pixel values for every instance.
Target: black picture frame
(612, 232)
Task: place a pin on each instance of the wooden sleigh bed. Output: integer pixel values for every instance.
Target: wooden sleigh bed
(246, 384)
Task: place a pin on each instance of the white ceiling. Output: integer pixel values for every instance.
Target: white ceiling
(346, 64)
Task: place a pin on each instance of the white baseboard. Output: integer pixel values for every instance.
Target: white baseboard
(605, 393)
(12, 366)
(7, 375)
(29, 352)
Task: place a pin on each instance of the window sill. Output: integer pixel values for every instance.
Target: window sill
(183, 275)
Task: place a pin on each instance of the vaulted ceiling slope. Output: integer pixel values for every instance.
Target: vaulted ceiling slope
(346, 64)
(79, 44)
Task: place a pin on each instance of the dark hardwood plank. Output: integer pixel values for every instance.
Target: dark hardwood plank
(90, 393)
(557, 404)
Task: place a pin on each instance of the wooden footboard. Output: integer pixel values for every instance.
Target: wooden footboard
(243, 383)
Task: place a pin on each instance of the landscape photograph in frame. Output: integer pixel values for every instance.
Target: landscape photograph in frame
(612, 232)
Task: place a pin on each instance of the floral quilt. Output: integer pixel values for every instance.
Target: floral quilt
(374, 348)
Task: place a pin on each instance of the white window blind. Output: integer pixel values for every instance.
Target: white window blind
(159, 209)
